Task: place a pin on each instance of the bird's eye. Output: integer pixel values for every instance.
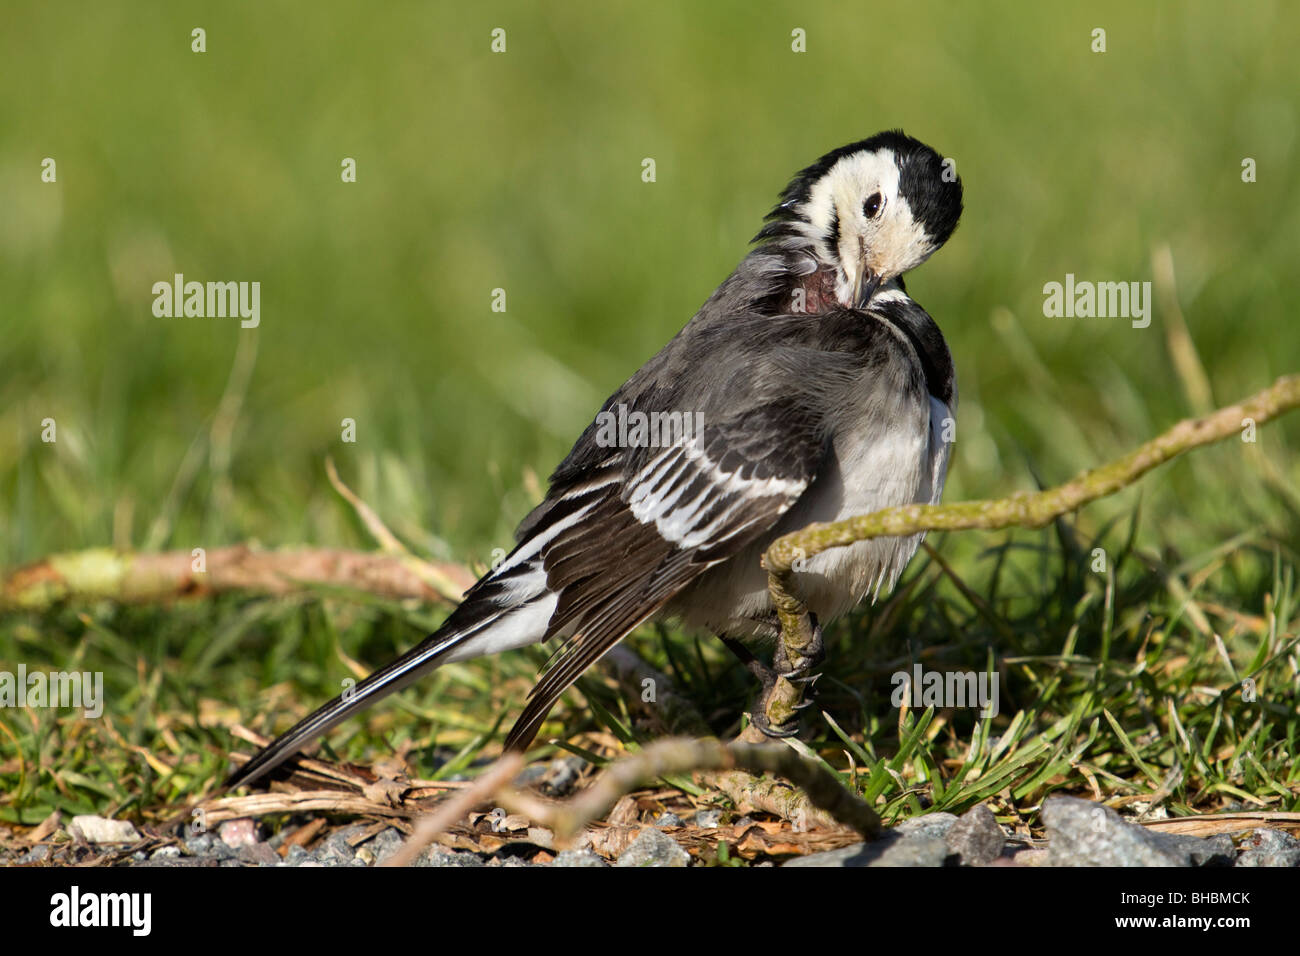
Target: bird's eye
(871, 208)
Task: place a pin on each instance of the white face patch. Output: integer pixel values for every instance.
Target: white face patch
(850, 181)
(892, 243)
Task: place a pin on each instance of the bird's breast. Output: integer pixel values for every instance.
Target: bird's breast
(896, 456)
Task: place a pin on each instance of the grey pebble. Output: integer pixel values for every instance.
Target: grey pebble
(1083, 833)
(654, 848)
(578, 858)
(1270, 848)
(931, 825)
(257, 854)
(296, 856)
(441, 856)
(198, 845)
(976, 837)
(891, 849)
(336, 850)
(562, 775)
(384, 844)
(708, 819)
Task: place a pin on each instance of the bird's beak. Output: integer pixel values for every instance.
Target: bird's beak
(864, 288)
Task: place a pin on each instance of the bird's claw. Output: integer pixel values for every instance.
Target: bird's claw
(801, 676)
(759, 719)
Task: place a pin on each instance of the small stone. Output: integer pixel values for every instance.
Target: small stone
(166, 853)
(931, 824)
(219, 850)
(385, 844)
(578, 858)
(708, 819)
(95, 829)
(199, 845)
(1082, 833)
(891, 849)
(976, 837)
(654, 848)
(237, 833)
(436, 855)
(336, 848)
(296, 855)
(258, 854)
(667, 819)
(188, 863)
(1270, 848)
(562, 776)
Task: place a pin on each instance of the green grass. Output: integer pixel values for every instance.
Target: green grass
(522, 171)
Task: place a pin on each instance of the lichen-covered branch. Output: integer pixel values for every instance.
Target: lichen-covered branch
(1024, 509)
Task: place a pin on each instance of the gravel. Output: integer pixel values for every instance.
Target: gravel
(1078, 833)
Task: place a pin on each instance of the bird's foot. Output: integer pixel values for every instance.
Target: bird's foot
(777, 710)
(797, 664)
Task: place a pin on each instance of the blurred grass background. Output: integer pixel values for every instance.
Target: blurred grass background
(522, 171)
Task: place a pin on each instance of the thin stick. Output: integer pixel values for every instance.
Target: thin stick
(129, 576)
(682, 755)
(484, 789)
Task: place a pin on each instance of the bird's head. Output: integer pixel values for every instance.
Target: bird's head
(869, 211)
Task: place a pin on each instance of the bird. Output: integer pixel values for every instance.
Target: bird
(821, 390)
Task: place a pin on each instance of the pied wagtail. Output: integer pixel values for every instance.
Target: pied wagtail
(824, 392)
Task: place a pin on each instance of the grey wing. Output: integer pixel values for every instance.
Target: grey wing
(653, 520)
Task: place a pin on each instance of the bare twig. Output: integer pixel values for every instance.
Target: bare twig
(484, 788)
(683, 755)
(678, 715)
(132, 577)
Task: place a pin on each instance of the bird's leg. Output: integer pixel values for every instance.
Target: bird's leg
(767, 677)
(762, 673)
(787, 682)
